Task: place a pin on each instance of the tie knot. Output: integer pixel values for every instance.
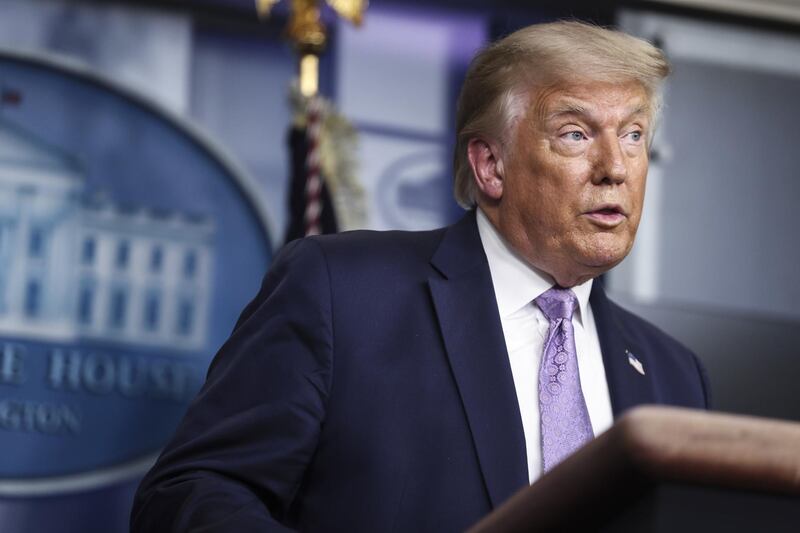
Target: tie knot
(557, 303)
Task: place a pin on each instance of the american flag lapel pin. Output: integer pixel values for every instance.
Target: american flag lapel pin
(634, 362)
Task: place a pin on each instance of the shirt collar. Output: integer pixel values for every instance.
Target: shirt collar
(516, 282)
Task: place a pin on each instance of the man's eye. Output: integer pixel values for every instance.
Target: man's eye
(635, 136)
(574, 136)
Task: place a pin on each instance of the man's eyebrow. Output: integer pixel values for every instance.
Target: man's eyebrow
(640, 110)
(567, 108)
(575, 108)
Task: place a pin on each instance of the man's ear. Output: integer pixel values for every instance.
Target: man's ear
(487, 168)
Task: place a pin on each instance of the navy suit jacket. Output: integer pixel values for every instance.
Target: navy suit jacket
(367, 387)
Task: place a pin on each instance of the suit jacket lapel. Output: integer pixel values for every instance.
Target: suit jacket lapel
(626, 385)
(470, 324)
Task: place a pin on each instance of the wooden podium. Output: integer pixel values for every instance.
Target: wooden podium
(661, 469)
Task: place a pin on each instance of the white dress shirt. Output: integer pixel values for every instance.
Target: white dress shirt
(516, 285)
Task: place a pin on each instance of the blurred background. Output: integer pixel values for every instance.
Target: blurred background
(152, 162)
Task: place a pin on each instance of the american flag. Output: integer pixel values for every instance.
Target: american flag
(310, 206)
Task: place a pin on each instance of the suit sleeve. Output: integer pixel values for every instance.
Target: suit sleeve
(240, 453)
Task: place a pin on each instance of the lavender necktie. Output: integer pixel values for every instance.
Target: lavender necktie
(564, 418)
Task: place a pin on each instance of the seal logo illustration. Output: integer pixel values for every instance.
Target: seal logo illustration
(128, 245)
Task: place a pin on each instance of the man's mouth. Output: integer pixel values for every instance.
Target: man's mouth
(607, 215)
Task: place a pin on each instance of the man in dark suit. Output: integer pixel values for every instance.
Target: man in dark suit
(413, 381)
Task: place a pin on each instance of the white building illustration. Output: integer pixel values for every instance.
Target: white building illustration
(74, 268)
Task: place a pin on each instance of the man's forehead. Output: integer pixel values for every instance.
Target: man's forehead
(625, 99)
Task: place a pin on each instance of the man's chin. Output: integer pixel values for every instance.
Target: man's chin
(603, 260)
(587, 268)
(582, 263)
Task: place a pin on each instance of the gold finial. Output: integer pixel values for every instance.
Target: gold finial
(305, 28)
(307, 32)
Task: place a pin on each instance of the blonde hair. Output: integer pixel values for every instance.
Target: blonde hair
(501, 76)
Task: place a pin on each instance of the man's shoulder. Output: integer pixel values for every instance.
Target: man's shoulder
(374, 242)
(367, 250)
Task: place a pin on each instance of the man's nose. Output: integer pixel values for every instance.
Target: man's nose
(610, 165)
